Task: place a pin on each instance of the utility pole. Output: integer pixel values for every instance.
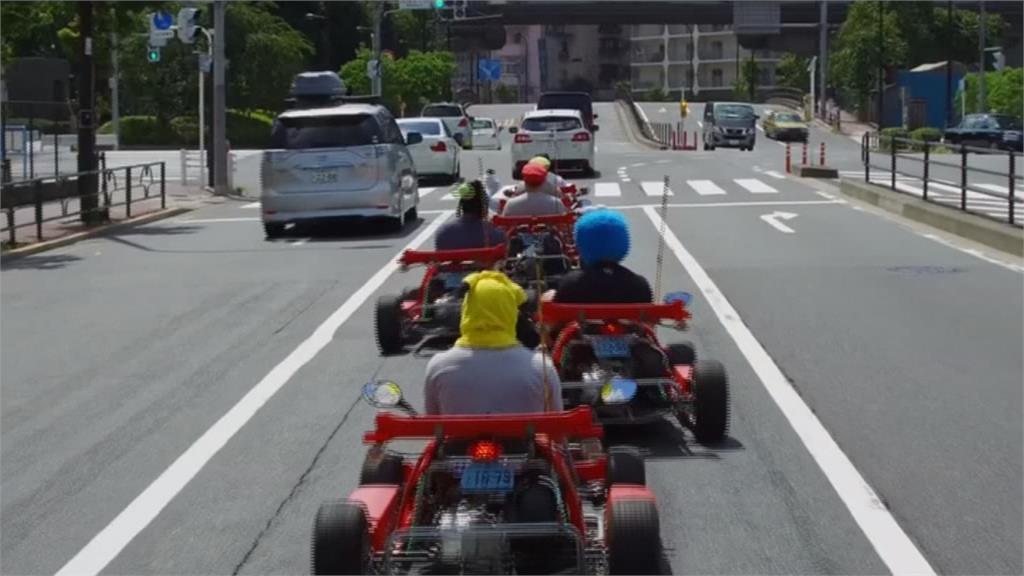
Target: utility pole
(982, 105)
(115, 109)
(220, 150)
(378, 16)
(949, 63)
(822, 59)
(881, 67)
(86, 136)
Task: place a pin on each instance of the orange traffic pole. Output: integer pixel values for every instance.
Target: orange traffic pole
(822, 153)
(804, 158)
(788, 166)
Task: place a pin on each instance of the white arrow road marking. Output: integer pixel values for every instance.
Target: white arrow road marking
(772, 219)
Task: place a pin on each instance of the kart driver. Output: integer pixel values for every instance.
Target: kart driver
(488, 371)
(535, 201)
(554, 183)
(470, 229)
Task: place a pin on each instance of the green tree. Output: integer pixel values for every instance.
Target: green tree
(746, 84)
(1004, 92)
(792, 72)
(858, 49)
(424, 77)
(353, 73)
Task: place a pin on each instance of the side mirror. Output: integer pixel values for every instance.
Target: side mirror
(460, 138)
(673, 297)
(382, 394)
(513, 130)
(413, 138)
(618, 391)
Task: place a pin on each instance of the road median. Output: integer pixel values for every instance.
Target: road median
(1004, 237)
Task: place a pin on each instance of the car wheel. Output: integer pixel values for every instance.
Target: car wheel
(625, 466)
(380, 467)
(681, 354)
(388, 324)
(633, 537)
(341, 539)
(709, 419)
(273, 230)
(708, 145)
(456, 172)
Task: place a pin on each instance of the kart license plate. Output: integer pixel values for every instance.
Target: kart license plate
(454, 280)
(325, 177)
(487, 478)
(611, 346)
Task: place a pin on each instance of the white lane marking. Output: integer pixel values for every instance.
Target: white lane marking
(655, 188)
(701, 124)
(972, 252)
(663, 162)
(773, 221)
(891, 543)
(760, 128)
(213, 220)
(299, 241)
(106, 545)
(425, 191)
(732, 204)
(607, 189)
(638, 164)
(251, 205)
(775, 174)
(755, 186)
(705, 187)
(624, 179)
(448, 197)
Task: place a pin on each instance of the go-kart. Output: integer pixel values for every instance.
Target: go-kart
(492, 494)
(601, 341)
(544, 242)
(574, 197)
(429, 314)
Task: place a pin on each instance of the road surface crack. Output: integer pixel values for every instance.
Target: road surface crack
(297, 487)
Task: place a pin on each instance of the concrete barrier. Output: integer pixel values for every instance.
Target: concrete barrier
(810, 171)
(1000, 236)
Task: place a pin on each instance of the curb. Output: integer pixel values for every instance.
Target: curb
(626, 118)
(99, 231)
(1003, 237)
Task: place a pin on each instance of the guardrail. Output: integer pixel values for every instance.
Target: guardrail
(984, 199)
(194, 162)
(115, 187)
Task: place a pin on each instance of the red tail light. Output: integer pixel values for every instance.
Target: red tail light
(523, 139)
(581, 137)
(463, 123)
(439, 147)
(484, 451)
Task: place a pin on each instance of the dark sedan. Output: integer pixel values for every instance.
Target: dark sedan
(995, 131)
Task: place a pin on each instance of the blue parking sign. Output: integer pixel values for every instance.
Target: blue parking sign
(489, 69)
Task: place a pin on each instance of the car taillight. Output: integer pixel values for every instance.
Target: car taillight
(522, 139)
(484, 451)
(439, 147)
(581, 137)
(463, 123)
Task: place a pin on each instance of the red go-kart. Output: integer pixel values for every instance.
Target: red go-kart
(572, 196)
(600, 341)
(429, 313)
(494, 494)
(544, 242)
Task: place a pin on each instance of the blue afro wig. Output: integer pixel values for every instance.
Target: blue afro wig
(602, 236)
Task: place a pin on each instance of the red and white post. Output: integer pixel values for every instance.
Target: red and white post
(789, 168)
(822, 159)
(804, 159)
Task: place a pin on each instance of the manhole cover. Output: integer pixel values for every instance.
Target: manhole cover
(926, 269)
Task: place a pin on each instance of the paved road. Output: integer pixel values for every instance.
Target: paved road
(121, 353)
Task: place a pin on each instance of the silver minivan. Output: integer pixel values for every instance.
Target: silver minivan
(348, 160)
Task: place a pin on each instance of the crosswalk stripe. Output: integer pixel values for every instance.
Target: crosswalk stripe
(775, 174)
(755, 186)
(655, 188)
(606, 189)
(425, 191)
(251, 205)
(705, 187)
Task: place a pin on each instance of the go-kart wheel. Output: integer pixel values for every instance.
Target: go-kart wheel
(633, 537)
(681, 353)
(388, 320)
(626, 466)
(711, 402)
(380, 467)
(341, 539)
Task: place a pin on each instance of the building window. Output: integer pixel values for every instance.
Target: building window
(716, 49)
(716, 77)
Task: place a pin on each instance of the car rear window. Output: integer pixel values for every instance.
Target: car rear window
(1007, 122)
(325, 132)
(734, 111)
(442, 111)
(788, 118)
(556, 123)
(482, 124)
(566, 101)
(425, 128)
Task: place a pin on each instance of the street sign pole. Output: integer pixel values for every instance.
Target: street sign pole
(220, 150)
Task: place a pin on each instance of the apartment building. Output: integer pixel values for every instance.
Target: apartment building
(664, 57)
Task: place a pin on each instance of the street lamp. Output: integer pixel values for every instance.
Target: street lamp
(325, 61)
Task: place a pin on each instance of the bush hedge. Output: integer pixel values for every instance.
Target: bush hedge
(245, 130)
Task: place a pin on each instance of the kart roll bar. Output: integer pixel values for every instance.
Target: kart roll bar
(555, 313)
(576, 423)
(567, 219)
(488, 256)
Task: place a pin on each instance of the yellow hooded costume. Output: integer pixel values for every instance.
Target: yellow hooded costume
(490, 311)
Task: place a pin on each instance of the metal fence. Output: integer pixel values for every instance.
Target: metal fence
(40, 201)
(915, 167)
(37, 139)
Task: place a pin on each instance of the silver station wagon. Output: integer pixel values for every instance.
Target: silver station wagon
(339, 161)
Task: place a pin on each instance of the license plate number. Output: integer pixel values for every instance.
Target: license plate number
(454, 280)
(611, 346)
(325, 177)
(734, 141)
(487, 478)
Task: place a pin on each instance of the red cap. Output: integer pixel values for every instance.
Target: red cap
(534, 175)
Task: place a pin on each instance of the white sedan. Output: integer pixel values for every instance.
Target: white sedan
(561, 134)
(485, 134)
(438, 154)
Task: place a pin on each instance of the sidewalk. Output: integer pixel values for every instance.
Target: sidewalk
(848, 126)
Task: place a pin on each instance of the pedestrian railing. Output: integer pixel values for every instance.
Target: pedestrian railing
(54, 198)
(910, 166)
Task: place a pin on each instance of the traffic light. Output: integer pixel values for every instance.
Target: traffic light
(153, 55)
(460, 9)
(188, 24)
(439, 4)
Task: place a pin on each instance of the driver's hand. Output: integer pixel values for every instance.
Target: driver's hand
(547, 296)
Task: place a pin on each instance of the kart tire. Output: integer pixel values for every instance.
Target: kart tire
(380, 467)
(626, 466)
(711, 402)
(633, 537)
(341, 539)
(273, 230)
(388, 324)
(681, 353)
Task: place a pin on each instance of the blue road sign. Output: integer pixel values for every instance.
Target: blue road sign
(489, 69)
(162, 20)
